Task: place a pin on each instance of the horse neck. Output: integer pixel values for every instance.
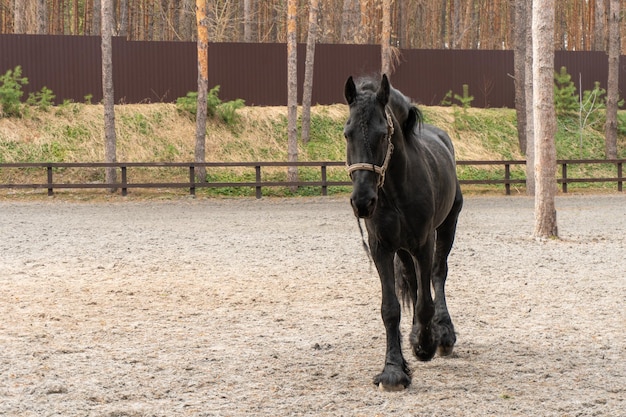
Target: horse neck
(403, 160)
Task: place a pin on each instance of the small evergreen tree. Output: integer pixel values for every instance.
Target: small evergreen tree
(565, 98)
(11, 92)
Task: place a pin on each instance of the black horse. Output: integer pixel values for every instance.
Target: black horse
(405, 187)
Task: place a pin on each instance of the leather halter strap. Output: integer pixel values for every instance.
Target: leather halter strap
(378, 169)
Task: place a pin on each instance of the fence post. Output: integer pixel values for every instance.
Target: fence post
(564, 175)
(257, 169)
(619, 176)
(49, 170)
(192, 180)
(124, 181)
(324, 185)
(507, 177)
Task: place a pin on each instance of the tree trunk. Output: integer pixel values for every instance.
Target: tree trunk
(519, 54)
(248, 21)
(442, 25)
(456, 29)
(308, 70)
(186, 21)
(123, 18)
(203, 86)
(402, 28)
(349, 22)
(97, 17)
(385, 39)
(612, 89)
(19, 17)
(544, 118)
(42, 17)
(108, 94)
(292, 92)
(599, 32)
(530, 130)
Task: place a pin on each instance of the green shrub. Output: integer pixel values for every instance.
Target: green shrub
(42, 99)
(11, 92)
(188, 105)
(226, 112)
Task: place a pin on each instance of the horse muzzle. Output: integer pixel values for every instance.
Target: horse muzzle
(363, 203)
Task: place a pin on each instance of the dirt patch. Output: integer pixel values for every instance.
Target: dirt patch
(245, 307)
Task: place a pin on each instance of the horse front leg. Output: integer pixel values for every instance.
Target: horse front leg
(395, 375)
(423, 337)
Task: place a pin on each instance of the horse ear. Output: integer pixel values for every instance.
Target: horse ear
(383, 92)
(414, 118)
(350, 90)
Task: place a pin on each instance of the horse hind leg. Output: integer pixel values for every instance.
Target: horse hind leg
(442, 323)
(406, 278)
(415, 289)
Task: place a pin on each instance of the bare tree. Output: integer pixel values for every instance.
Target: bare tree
(519, 59)
(108, 93)
(530, 123)
(42, 17)
(347, 22)
(385, 39)
(599, 34)
(123, 23)
(612, 96)
(97, 17)
(307, 92)
(248, 8)
(203, 87)
(544, 118)
(186, 22)
(19, 17)
(456, 30)
(292, 91)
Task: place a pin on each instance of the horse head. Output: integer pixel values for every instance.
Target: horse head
(376, 109)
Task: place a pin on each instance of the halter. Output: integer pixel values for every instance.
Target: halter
(380, 170)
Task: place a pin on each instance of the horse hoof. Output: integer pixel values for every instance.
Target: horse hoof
(393, 378)
(390, 388)
(445, 350)
(424, 355)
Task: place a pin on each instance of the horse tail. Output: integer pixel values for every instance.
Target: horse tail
(406, 279)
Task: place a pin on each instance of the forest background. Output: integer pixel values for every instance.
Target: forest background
(416, 24)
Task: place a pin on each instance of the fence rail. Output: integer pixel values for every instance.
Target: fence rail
(507, 180)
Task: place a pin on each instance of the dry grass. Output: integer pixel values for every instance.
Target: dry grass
(157, 132)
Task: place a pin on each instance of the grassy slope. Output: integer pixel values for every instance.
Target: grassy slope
(156, 132)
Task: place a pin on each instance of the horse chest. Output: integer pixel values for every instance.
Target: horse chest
(397, 229)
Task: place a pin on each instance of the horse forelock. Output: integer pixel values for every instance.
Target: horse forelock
(366, 103)
(364, 106)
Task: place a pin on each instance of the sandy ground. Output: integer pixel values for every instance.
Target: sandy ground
(243, 307)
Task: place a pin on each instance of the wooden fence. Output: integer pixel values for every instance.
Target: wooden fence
(506, 179)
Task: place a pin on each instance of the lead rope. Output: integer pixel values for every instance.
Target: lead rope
(366, 247)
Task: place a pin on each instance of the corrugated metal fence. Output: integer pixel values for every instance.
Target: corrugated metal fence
(163, 71)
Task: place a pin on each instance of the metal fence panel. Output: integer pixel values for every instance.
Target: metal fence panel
(163, 71)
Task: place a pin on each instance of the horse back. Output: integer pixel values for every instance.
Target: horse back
(435, 155)
(433, 139)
